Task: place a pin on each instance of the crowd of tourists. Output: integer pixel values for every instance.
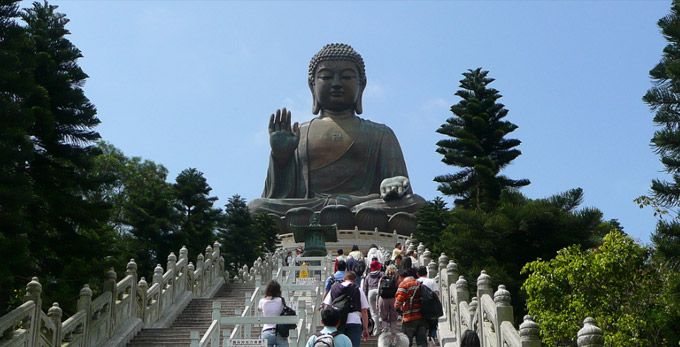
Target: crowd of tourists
(369, 295)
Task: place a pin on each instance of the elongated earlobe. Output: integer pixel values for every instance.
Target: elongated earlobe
(358, 107)
(315, 106)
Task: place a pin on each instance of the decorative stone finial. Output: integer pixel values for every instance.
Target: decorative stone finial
(502, 296)
(208, 250)
(484, 282)
(421, 248)
(472, 308)
(183, 252)
(451, 268)
(216, 245)
(461, 284)
(55, 312)
(111, 275)
(172, 257)
(191, 267)
(158, 270)
(142, 284)
(443, 260)
(528, 330)
(590, 335)
(33, 288)
(131, 266)
(86, 291)
(432, 269)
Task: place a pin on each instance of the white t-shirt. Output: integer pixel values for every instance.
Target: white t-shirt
(352, 317)
(429, 282)
(270, 307)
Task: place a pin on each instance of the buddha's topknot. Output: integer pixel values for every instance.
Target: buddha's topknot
(337, 51)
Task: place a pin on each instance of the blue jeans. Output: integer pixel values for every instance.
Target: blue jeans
(274, 339)
(353, 331)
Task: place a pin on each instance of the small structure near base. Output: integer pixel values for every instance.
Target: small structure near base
(315, 236)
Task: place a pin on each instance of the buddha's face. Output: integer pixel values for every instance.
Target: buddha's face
(336, 85)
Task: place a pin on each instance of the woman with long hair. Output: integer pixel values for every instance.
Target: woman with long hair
(387, 288)
(272, 305)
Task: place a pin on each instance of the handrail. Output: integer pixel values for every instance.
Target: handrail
(123, 304)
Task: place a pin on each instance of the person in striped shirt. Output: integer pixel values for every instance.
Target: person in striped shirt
(407, 301)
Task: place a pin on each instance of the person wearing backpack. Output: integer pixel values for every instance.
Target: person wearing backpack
(370, 287)
(329, 336)
(353, 306)
(387, 289)
(272, 305)
(432, 284)
(337, 277)
(408, 301)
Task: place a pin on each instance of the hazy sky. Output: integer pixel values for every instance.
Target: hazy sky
(192, 84)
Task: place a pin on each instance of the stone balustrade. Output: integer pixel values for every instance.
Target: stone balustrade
(124, 307)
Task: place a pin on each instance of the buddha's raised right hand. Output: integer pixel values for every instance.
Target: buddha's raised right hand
(283, 138)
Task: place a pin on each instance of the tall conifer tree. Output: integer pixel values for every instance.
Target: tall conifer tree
(477, 144)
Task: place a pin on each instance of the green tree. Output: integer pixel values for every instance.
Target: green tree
(617, 284)
(477, 144)
(16, 150)
(432, 220)
(265, 226)
(199, 219)
(519, 231)
(242, 246)
(67, 245)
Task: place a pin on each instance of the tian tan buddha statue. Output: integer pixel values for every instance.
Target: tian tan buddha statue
(336, 158)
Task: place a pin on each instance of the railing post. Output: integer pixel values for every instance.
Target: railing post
(199, 267)
(131, 270)
(33, 291)
(443, 261)
(503, 311)
(432, 270)
(529, 333)
(184, 254)
(158, 278)
(54, 313)
(217, 307)
(172, 269)
(451, 273)
(109, 286)
(420, 249)
(462, 294)
(195, 338)
(483, 288)
(144, 289)
(191, 277)
(590, 335)
(85, 304)
(426, 258)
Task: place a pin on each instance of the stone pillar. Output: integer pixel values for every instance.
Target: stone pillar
(172, 268)
(209, 272)
(451, 273)
(184, 254)
(529, 333)
(33, 292)
(483, 288)
(201, 271)
(427, 257)
(54, 314)
(158, 278)
(131, 270)
(503, 311)
(190, 277)
(443, 261)
(144, 289)
(109, 286)
(462, 292)
(85, 304)
(590, 335)
(420, 249)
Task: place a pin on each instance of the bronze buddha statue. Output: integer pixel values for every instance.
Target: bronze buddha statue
(336, 158)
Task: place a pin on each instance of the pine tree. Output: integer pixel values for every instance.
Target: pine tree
(236, 234)
(478, 145)
(432, 220)
(16, 150)
(199, 219)
(265, 226)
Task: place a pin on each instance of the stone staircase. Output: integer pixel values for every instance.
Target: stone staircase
(197, 316)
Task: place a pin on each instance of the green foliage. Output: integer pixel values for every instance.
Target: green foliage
(432, 220)
(617, 284)
(519, 231)
(477, 144)
(265, 226)
(199, 220)
(236, 235)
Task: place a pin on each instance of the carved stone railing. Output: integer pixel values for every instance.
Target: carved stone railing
(124, 307)
(303, 295)
(489, 313)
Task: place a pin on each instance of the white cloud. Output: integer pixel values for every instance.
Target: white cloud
(373, 90)
(436, 104)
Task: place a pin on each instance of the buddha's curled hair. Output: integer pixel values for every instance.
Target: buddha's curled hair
(337, 51)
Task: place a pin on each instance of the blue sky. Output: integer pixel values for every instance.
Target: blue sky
(192, 84)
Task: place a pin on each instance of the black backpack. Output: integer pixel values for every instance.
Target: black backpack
(430, 305)
(345, 302)
(387, 287)
(359, 267)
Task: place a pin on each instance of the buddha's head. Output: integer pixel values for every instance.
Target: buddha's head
(337, 78)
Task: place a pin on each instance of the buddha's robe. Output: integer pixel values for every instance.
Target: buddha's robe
(352, 180)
